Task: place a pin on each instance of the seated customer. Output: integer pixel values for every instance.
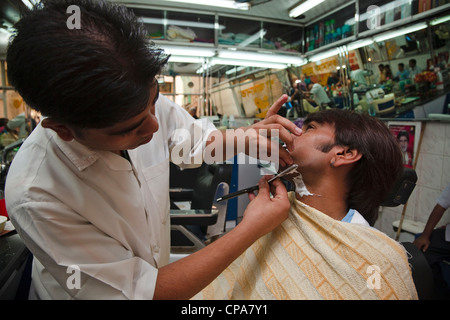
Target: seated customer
(347, 165)
(402, 73)
(319, 94)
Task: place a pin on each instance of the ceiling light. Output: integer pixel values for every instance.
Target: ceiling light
(192, 24)
(248, 63)
(217, 3)
(256, 56)
(185, 59)
(439, 20)
(189, 51)
(359, 44)
(303, 7)
(397, 33)
(30, 3)
(324, 55)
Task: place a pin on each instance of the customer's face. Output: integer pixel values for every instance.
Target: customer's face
(126, 135)
(310, 147)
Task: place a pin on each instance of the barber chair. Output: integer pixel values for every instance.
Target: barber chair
(421, 272)
(197, 186)
(402, 189)
(184, 240)
(420, 269)
(204, 219)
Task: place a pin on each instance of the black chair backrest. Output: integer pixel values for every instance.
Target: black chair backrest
(402, 189)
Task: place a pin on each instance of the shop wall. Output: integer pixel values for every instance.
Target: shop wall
(433, 172)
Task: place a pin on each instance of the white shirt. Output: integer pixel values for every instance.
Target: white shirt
(320, 96)
(94, 209)
(444, 198)
(353, 216)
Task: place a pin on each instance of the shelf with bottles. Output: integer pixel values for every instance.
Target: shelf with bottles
(333, 28)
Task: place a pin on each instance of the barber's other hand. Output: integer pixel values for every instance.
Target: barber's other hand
(264, 213)
(274, 123)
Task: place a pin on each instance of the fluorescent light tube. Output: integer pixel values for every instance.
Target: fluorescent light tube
(324, 55)
(302, 8)
(186, 59)
(189, 51)
(439, 20)
(247, 63)
(359, 44)
(192, 24)
(30, 3)
(400, 32)
(255, 56)
(217, 3)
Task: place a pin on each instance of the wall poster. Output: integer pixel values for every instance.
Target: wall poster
(408, 136)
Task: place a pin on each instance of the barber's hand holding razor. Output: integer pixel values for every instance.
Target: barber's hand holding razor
(265, 213)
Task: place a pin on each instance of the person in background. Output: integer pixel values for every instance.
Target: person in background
(359, 77)
(381, 75)
(388, 72)
(413, 68)
(89, 188)
(333, 79)
(319, 95)
(402, 73)
(326, 249)
(435, 243)
(7, 136)
(19, 123)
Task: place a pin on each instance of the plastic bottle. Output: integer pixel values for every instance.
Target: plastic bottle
(440, 81)
(370, 106)
(355, 99)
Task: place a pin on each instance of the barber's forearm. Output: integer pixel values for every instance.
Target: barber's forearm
(188, 276)
(226, 144)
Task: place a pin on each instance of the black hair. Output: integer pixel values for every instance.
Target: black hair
(91, 77)
(402, 133)
(381, 164)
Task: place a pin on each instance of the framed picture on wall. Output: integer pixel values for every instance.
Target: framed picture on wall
(408, 135)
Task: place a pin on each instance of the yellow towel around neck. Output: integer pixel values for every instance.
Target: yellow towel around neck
(313, 256)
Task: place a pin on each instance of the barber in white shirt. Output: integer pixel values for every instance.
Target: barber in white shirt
(77, 197)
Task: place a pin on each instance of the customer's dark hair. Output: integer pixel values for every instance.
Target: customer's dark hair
(380, 166)
(90, 77)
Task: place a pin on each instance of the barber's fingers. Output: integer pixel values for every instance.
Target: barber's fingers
(277, 105)
(269, 147)
(263, 187)
(276, 187)
(284, 128)
(279, 190)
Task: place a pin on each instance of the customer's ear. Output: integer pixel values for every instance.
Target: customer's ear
(345, 156)
(62, 130)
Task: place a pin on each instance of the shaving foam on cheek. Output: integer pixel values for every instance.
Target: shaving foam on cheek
(300, 186)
